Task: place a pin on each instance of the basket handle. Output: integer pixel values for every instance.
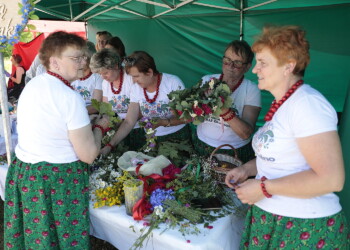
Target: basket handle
(224, 145)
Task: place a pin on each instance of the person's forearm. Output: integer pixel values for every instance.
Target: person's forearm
(98, 138)
(250, 168)
(91, 110)
(243, 129)
(123, 130)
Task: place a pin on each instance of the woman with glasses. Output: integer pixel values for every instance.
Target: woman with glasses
(299, 163)
(149, 98)
(235, 125)
(90, 85)
(116, 90)
(47, 185)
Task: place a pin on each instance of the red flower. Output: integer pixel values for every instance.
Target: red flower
(25, 189)
(282, 245)
(222, 99)
(179, 112)
(55, 169)
(75, 201)
(198, 111)
(74, 243)
(69, 171)
(10, 203)
(35, 199)
(210, 227)
(263, 217)
(246, 244)
(74, 222)
(84, 233)
(59, 202)
(330, 222)
(60, 181)
(207, 109)
(289, 224)
(26, 210)
(32, 178)
(67, 214)
(66, 235)
(75, 181)
(45, 233)
(188, 241)
(36, 220)
(304, 236)
(45, 177)
(37, 241)
(171, 170)
(8, 224)
(256, 241)
(16, 235)
(267, 237)
(43, 212)
(9, 245)
(320, 244)
(253, 220)
(341, 228)
(11, 182)
(28, 231)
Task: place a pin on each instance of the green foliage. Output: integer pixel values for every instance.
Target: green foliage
(175, 151)
(105, 108)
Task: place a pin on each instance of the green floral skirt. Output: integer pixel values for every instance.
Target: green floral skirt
(47, 206)
(264, 230)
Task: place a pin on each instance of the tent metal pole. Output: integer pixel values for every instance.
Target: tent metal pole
(241, 22)
(5, 111)
(88, 10)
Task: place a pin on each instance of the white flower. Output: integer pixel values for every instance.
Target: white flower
(195, 104)
(214, 108)
(211, 84)
(193, 115)
(159, 211)
(150, 131)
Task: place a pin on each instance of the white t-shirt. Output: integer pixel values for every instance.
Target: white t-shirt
(46, 111)
(213, 133)
(120, 103)
(304, 114)
(160, 107)
(86, 88)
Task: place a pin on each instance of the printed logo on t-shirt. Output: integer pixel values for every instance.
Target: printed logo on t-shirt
(84, 92)
(120, 103)
(262, 139)
(155, 109)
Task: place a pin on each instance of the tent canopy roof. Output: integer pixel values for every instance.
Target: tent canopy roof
(77, 10)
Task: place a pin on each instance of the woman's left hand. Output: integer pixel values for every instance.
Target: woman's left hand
(249, 192)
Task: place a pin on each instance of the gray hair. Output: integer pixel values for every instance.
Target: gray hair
(104, 59)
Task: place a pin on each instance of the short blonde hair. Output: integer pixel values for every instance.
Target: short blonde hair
(285, 43)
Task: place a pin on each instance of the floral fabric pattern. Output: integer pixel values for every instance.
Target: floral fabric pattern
(264, 230)
(46, 206)
(156, 109)
(120, 103)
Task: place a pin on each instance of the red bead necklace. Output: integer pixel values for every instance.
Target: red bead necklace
(121, 77)
(61, 78)
(86, 77)
(157, 92)
(276, 105)
(236, 86)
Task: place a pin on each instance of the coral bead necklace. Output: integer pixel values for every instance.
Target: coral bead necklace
(236, 86)
(86, 77)
(61, 78)
(121, 78)
(157, 92)
(276, 105)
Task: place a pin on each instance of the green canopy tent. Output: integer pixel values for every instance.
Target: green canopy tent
(188, 37)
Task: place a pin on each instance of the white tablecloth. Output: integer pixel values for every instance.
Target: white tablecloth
(112, 224)
(3, 173)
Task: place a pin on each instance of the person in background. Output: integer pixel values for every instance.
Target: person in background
(116, 89)
(116, 44)
(90, 85)
(150, 98)
(47, 186)
(16, 79)
(238, 121)
(299, 162)
(101, 39)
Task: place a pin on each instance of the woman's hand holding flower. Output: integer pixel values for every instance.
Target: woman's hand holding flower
(105, 150)
(236, 176)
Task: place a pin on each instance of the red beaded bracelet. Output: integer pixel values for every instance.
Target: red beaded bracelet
(100, 127)
(109, 145)
(263, 188)
(225, 114)
(233, 114)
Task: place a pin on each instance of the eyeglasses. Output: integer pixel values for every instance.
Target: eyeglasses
(77, 59)
(236, 64)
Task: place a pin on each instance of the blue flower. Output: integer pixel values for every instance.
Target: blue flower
(160, 195)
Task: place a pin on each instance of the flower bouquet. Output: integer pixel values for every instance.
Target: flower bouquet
(201, 100)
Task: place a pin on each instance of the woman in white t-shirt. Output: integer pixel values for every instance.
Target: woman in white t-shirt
(149, 98)
(299, 160)
(47, 186)
(116, 90)
(236, 125)
(90, 85)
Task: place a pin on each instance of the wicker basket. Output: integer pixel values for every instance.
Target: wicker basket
(225, 163)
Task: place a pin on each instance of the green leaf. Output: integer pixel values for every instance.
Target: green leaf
(34, 17)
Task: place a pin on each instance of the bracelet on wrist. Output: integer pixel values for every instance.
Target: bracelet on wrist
(109, 145)
(100, 127)
(225, 114)
(263, 188)
(232, 115)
